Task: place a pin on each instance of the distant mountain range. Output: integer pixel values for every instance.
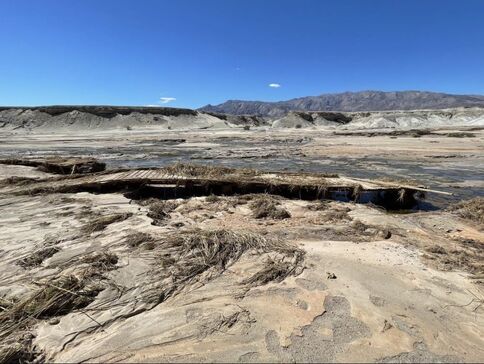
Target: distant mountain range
(349, 101)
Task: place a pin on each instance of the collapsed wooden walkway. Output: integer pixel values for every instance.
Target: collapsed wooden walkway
(190, 180)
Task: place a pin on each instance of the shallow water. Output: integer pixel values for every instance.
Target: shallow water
(439, 174)
(428, 175)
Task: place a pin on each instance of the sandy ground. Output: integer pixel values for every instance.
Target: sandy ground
(371, 287)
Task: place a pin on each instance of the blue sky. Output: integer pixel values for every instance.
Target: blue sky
(198, 52)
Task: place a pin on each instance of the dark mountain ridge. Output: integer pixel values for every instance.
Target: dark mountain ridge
(350, 101)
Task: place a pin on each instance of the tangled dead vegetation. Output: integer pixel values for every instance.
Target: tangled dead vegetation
(19, 349)
(336, 215)
(462, 254)
(212, 198)
(436, 249)
(16, 181)
(339, 225)
(470, 209)
(54, 298)
(266, 206)
(199, 255)
(460, 135)
(275, 271)
(159, 210)
(221, 323)
(138, 238)
(207, 171)
(37, 257)
(101, 261)
(101, 222)
(320, 205)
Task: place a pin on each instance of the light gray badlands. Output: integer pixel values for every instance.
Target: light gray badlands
(177, 273)
(72, 118)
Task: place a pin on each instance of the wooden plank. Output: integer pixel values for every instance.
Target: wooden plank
(408, 187)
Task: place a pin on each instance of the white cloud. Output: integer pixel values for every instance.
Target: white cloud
(166, 100)
(274, 85)
(152, 105)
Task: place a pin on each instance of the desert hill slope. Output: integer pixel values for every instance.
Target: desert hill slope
(53, 119)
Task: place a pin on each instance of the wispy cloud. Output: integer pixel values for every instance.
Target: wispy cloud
(166, 100)
(274, 85)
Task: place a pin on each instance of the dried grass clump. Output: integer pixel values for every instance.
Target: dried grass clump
(159, 210)
(36, 258)
(267, 207)
(212, 198)
(100, 223)
(274, 271)
(15, 353)
(320, 205)
(197, 255)
(436, 249)
(460, 135)
(337, 215)
(138, 238)
(17, 181)
(207, 171)
(245, 199)
(194, 170)
(462, 254)
(359, 226)
(472, 209)
(101, 261)
(19, 349)
(459, 259)
(57, 297)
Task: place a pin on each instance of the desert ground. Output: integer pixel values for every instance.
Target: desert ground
(116, 275)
